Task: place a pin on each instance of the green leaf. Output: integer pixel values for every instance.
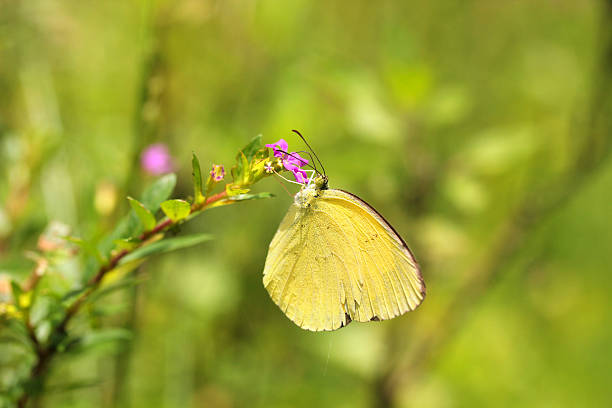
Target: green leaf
(126, 243)
(120, 272)
(46, 310)
(242, 197)
(129, 225)
(233, 190)
(238, 196)
(144, 215)
(113, 287)
(158, 192)
(74, 293)
(197, 180)
(97, 339)
(166, 245)
(252, 147)
(239, 171)
(17, 329)
(88, 247)
(244, 166)
(15, 339)
(176, 210)
(17, 292)
(262, 154)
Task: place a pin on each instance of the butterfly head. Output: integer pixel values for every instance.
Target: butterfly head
(320, 181)
(310, 191)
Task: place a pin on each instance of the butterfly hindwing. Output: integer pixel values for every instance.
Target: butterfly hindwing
(338, 260)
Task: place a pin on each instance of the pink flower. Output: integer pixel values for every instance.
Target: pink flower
(280, 145)
(218, 172)
(300, 176)
(268, 168)
(291, 161)
(295, 159)
(156, 159)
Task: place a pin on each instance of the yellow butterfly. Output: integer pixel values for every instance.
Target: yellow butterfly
(335, 259)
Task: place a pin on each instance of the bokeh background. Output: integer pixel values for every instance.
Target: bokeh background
(480, 129)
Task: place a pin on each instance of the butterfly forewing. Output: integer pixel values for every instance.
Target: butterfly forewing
(338, 260)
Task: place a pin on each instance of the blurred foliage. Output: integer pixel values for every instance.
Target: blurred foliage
(38, 316)
(480, 129)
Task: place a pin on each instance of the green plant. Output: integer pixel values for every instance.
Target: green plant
(53, 314)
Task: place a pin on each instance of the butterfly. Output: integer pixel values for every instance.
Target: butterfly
(334, 259)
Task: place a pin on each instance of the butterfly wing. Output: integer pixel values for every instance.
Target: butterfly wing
(338, 260)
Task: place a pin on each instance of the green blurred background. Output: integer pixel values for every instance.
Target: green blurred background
(479, 128)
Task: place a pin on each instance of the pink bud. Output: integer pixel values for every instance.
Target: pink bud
(156, 159)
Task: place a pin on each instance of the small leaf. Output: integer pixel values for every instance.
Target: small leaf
(262, 154)
(126, 227)
(144, 215)
(100, 338)
(116, 285)
(120, 272)
(129, 225)
(74, 293)
(19, 296)
(197, 180)
(127, 243)
(88, 247)
(242, 197)
(252, 147)
(240, 170)
(238, 196)
(244, 164)
(241, 173)
(16, 329)
(165, 245)
(15, 339)
(176, 210)
(17, 292)
(158, 192)
(233, 190)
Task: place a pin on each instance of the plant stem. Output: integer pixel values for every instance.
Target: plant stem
(44, 354)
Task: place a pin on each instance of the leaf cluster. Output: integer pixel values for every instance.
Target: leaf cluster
(38, 317)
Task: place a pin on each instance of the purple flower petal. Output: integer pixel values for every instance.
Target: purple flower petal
(280, 145)
(301, 176)
(290, 166)
(296, 159)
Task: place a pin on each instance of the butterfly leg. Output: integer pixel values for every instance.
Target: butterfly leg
(286, 179)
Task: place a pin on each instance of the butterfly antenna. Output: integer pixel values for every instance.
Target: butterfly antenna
(311, 160)
(313, 152)
(299, 159)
